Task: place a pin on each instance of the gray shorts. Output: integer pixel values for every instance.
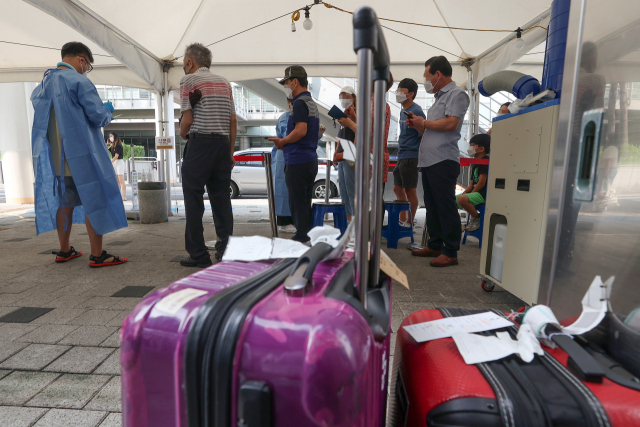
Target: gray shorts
(71, 196)
(406, 173)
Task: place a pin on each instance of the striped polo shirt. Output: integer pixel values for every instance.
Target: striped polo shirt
(212, 114)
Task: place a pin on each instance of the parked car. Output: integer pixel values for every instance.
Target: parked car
(249, 177)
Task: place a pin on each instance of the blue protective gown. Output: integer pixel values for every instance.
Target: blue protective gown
(80, 114)
(277, 169)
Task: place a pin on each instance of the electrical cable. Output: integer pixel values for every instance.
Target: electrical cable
(45, 47)
(330, 6)
(243, 31)
(295, 16)
(418, 40)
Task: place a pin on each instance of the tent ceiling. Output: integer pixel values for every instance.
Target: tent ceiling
(166, 27)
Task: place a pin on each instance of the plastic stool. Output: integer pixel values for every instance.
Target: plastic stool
(478, 233)
(339, 215)
(393, 231)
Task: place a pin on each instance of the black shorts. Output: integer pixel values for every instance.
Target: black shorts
(406, 173)
(71, 196)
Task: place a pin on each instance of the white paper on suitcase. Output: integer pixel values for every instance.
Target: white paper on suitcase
(479, 349)
(444, 328)
(257, 248)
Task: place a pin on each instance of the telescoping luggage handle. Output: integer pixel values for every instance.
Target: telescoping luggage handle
(373, 68)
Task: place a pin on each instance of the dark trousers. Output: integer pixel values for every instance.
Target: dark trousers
(207, 162)
(299, 179)
(443, 221)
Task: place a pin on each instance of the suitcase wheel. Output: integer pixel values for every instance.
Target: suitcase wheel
(487, 286)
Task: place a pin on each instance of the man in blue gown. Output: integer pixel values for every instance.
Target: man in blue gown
(283, 214)
(74, 179)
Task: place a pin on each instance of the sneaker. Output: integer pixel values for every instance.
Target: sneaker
(287, 229)
(405, 224)
(473, 225)
(414, 246)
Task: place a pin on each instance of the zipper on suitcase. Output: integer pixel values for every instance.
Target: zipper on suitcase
(519, 401)
(203, 333)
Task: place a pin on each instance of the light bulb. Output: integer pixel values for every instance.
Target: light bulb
(519, 43)
(293, 26)
(307, 24)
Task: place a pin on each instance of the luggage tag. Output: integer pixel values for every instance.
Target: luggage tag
(392, 270)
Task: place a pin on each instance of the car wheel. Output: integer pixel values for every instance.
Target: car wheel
(318, 190)
(233, 190)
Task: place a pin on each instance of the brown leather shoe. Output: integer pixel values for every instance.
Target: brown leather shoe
(444, 261)
(425, 252)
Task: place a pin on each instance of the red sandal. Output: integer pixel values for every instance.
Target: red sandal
(99, 261)
(66, 256)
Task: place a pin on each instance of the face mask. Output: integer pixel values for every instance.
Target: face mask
(471, 151)
(84, 73)
(346, 103)
(111, 138)
(428, 86)
(288, 92)
(401, 97)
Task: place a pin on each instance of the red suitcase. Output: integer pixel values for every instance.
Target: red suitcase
(432, 386)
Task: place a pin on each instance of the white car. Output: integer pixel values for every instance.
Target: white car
(249, 178)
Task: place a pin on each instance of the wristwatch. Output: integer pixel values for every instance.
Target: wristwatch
(423, 127)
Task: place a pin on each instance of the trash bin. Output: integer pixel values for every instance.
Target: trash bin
(152, 201)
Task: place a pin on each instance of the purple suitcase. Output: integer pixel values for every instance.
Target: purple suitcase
(317, 355)
(298, 342)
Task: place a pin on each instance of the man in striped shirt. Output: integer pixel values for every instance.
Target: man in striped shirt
(210, 126)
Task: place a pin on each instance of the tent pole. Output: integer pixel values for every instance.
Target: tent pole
(471, 91)
(476, 112)
(159, 132)
(167, 103)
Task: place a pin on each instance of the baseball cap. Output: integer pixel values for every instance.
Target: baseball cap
(293, 72)
(348, 89)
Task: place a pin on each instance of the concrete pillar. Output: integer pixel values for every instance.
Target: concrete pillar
(245, 142)
(171, 131)
(159, 132)
(16, 120)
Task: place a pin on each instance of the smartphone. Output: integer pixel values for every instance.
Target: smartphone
(409, 114)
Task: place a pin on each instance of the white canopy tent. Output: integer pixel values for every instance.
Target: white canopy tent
(140, 43)
(133, 39)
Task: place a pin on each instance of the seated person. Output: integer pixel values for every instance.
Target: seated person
(476, 192)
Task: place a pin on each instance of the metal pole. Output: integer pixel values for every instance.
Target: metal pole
(327, 182)
(470, 91)
(363, 138)
(160, 132)
(476, 113)
(377, 213)
(167, 103)
(271, 195)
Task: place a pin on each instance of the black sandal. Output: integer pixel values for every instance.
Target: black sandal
(99, 261)
(66, 256)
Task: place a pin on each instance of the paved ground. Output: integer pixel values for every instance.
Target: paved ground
(62, 369)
